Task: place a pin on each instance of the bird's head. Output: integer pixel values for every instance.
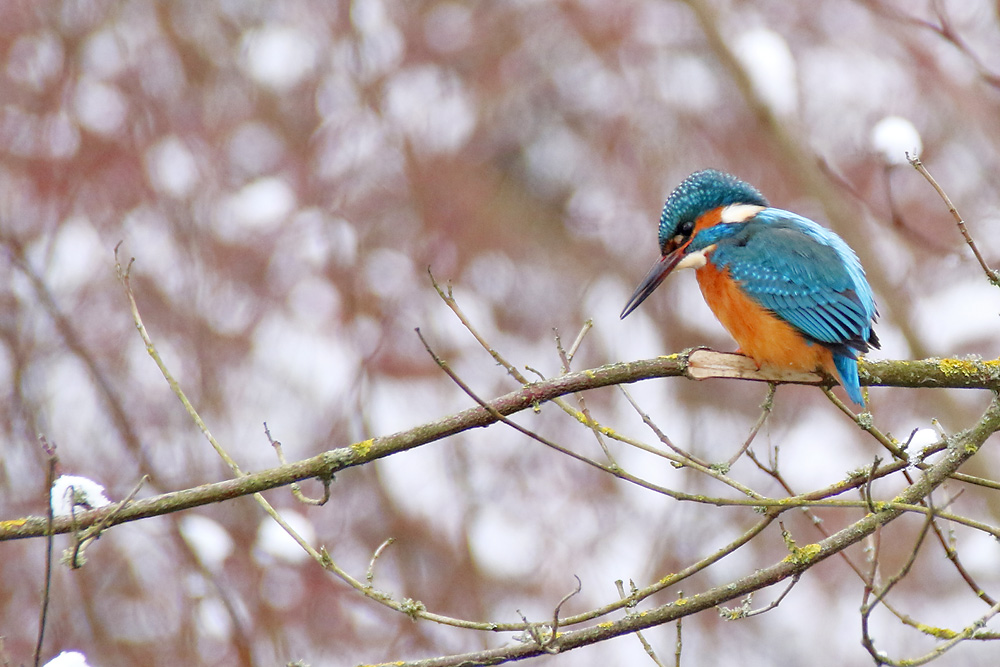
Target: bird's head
(701, 201)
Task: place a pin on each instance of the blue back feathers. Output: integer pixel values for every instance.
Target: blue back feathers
(803, 273)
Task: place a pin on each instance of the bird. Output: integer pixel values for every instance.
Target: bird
(791, 292)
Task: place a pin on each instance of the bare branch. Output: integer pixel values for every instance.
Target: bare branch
(991, 274)
(50, 477)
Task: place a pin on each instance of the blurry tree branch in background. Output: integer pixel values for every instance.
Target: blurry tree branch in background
(941, 26)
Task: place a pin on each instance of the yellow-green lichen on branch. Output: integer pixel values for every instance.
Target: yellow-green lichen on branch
(952, 367)
(362, 448)
(940, 633)
(803, 555)
(993, 366)
(590, 423)
(610, 432)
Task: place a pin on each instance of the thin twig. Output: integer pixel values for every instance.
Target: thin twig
(124, 276)
(684, 454)
(50, 479)
(678, 643)
(294, 486)
(555, 612)
(587, 326)
(638, 633)
(583, 415)
(81, 540)
(864, 420)
(370, 573)
(614, 470)
(449, 300)
(567, 360)
(765, 411)
(991, 275)
(868, 483)
(746, 611)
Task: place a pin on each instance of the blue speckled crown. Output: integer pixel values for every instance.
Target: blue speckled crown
(703, 191)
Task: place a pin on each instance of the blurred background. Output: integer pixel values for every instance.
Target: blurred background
(284, 173)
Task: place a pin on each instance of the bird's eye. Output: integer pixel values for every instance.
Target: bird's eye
(685, 228)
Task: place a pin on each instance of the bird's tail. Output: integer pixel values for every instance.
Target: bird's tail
(847, 369)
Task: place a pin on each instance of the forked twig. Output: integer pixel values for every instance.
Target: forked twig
(745, 610)
(294, 486)
(864, 421)
(80, 541)
(766, 408)
(567, 359)
(630, 610)
(648, 421)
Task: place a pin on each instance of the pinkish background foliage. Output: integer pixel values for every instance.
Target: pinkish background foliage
(285, 172)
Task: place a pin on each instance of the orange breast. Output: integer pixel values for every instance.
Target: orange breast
(763, 337)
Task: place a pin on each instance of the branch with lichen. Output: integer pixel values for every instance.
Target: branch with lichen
(927, 373)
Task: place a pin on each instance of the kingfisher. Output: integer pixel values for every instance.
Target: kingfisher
(791, 292)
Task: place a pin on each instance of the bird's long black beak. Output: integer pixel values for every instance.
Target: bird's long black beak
(660, 270)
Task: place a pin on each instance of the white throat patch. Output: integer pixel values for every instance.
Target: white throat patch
(695, 260)
(739, 212)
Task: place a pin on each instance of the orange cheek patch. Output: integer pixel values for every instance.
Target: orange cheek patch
(707, 219)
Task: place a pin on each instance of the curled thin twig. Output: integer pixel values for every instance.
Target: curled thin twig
(868, 484)
(370, 573)
(545, 635)
(555, 612)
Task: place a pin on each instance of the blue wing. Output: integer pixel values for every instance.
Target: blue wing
(803, 273)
